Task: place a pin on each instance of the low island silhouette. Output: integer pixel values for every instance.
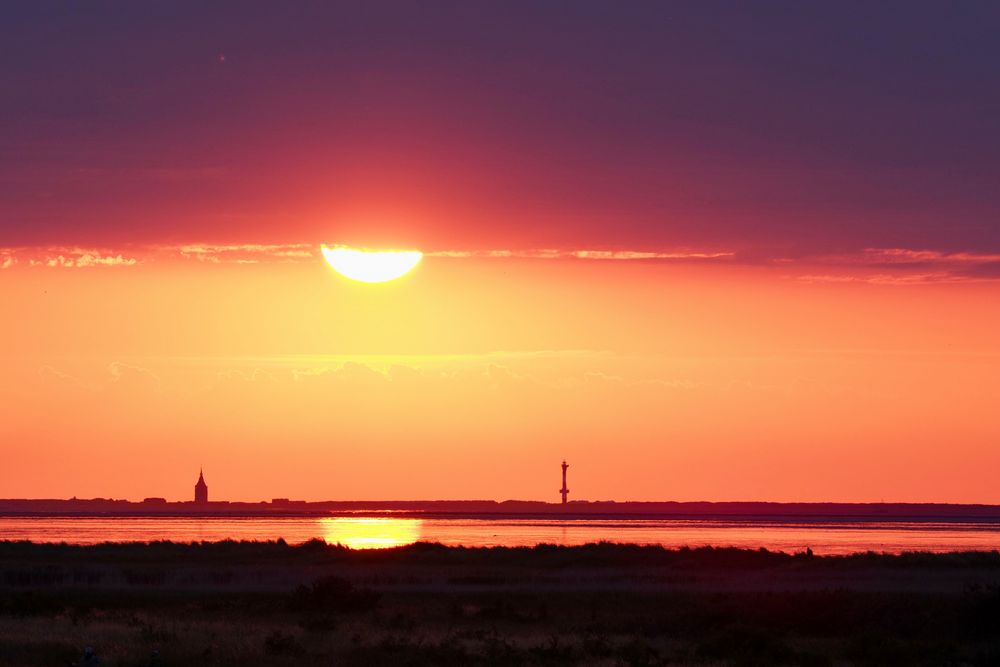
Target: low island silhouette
(202, 505)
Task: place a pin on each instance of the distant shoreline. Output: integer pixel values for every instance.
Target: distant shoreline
(511, 509)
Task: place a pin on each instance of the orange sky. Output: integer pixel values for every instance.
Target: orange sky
(701, 250)
(473, 377)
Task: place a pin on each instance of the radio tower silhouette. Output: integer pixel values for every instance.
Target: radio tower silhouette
(564, 491)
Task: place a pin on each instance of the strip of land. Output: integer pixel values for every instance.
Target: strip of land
(501, 509)
(603, 604)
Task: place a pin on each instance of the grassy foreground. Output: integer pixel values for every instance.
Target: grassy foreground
(269, 603)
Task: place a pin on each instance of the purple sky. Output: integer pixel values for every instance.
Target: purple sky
(775, 128)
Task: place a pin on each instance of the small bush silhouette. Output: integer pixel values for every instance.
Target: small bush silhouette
(334, 594)
(279, 643)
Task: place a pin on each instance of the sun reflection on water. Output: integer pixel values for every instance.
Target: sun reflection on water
(370, 533)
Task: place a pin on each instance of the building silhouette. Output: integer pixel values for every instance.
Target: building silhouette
(564, 491)
(201, 490)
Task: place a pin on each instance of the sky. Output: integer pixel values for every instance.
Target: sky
(703, 251)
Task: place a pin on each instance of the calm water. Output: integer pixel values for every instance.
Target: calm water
(828, 537)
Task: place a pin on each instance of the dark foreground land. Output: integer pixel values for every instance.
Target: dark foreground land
(273, 604)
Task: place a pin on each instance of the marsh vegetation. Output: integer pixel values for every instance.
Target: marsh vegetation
(274, 604)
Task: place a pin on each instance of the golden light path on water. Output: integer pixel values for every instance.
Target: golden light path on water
(370, 533)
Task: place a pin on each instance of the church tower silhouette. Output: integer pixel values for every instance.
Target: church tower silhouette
(201, 489)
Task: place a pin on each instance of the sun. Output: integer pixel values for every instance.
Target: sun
(371, 266)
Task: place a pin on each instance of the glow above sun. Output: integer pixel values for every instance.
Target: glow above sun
(371, 266)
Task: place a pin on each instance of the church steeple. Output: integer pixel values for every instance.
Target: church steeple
(201, 489)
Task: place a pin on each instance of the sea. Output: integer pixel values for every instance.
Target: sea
(792, 535)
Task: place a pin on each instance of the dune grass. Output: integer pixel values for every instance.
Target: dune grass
(269, 603)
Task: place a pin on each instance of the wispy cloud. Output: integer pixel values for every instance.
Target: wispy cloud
(86, 258)
(901, 266)
(130, 377)
(633, 255)
(65, 257)
(883, 278)
(77, 257)
(876, 266)
(604, 255)
(243, 253)
(909, 256)
(254, 253)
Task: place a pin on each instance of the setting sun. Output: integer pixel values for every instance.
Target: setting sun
(371, 266)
